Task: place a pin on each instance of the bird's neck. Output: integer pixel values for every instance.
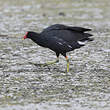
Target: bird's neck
(35, 37)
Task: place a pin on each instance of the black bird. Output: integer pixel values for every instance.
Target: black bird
(61, 39)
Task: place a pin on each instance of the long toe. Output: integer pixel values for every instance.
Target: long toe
(36, 64)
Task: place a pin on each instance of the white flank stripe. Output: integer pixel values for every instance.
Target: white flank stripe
(81, 43)
(60, 43)
(69, 46)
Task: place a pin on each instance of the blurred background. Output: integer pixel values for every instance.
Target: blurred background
(26, 87)
(19, 16)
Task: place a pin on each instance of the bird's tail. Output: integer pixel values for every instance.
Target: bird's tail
(87, 37)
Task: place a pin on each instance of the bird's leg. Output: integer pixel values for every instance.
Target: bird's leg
(67, 63)
(49, 63)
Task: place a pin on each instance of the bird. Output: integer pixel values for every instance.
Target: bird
(61, 39)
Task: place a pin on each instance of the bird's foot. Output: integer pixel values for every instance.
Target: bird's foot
(35, 64)
(50, 63)
(45, 64)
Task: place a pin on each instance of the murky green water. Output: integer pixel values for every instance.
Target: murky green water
(24, 86)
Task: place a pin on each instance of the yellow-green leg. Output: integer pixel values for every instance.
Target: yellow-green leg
(67, 63)
(48, 63)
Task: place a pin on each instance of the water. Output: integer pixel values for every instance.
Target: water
(24, 86)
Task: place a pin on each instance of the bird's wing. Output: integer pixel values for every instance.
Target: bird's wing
(64, 27)
(78, 29)
(67, 34)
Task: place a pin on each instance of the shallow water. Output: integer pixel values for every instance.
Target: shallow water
(24, 86)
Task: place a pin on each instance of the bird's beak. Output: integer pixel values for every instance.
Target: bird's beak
(24, 37)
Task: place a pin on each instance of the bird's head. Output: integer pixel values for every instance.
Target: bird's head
(29, 34)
